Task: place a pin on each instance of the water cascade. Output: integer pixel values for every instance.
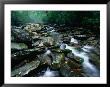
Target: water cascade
(89, 68)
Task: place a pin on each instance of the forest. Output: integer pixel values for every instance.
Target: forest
(55, 43)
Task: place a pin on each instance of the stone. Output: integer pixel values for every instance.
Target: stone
(18, 46)
(21, 36)
(95, 59)
(71, 69)
(25, 69)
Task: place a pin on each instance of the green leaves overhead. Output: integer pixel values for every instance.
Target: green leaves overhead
(71, 18)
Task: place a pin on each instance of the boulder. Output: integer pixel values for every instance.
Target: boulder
(21, 36)
(31, 27)
(71, 69)
(25, 69)
(95, 59)
(49, 40)
(28, 54)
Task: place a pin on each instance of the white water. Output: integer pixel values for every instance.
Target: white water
(50, 73)
(87, 48)
(90, 69)
(74, 41)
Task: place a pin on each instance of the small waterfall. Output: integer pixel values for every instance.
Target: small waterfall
(90, 69)
(50, 73)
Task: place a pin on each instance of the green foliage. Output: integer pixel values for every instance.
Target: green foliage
(73, 18)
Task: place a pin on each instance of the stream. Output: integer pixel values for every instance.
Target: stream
(64, 42)
(88, 67)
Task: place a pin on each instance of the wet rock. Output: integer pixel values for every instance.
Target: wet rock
(60, 58)
(46, 44)
(70, 55)
(58, 61)
(25, 69)
(66, 51)
(95, 59)
(21, 36)
(81, 37)
(12, 38)
(71, 69)
(49, 40)
(47, 59)
(28, 54)
(55, 65)
(18, 46)
(36, 44)
(78, 60)
(91, 38)
(33, 27)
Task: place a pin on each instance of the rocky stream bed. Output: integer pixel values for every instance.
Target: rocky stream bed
(51, 50)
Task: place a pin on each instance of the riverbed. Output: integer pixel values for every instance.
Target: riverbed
(50, 51)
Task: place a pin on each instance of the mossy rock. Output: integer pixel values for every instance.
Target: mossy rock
(55, 65)
(60, 59)
(78, 60)
(69, 69)
(73, 64)
(66, 51)
(95, 59)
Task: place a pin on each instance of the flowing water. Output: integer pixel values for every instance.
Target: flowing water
(57, 39)
(49, 73)
(89, 68)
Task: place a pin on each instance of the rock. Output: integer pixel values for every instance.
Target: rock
(37, 43)
(18, 46)
(95, 59)
(41, 44)
(47, 59)
(70, 55)
(81, 37)
(71, 69)
(21, 36)
(46, 44)
(55, 65)
(12, 38)
(33, 27)
(60, 57)
(25, 69)
(49, 40)
(91, 38)
(73, 64)
(78, 60)
(28, 54)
